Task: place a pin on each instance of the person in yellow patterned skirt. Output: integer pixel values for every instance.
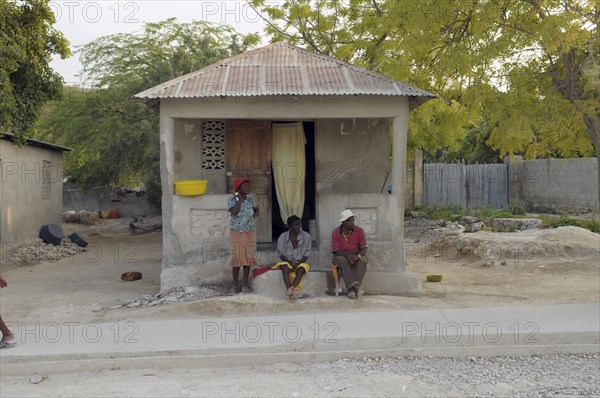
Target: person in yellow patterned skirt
(294, 248)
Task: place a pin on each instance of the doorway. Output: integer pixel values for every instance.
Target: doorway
(279, 225)
(248, 155)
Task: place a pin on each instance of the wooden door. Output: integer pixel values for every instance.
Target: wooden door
(248, 155)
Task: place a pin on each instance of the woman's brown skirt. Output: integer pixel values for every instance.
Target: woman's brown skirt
(242, 248)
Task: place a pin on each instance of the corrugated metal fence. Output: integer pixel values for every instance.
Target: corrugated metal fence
(469, 185)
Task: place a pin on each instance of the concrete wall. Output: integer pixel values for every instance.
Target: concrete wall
(197, 238)
(410, 199)
(352, 155)
(105, 198)
(352, 137)
(187, 144)
(413, 182)
(31, 191)
(376, 214)
(560, 182)
(353, 160)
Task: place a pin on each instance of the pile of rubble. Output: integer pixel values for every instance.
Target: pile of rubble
(421, 230)
(178, 294)
(40, 252)
(82, 217)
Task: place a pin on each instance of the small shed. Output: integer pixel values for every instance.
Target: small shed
(313, 134)
(31, 188)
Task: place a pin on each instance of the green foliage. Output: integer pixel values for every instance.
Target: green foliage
(446, 212)
(506, 214)
(27, 43)
(592, 225)
(116, 137)
(565, 220)
(160, 52)
(516, 208)
(485, 212)
(513, 210)
(512, 76)
(110, 133)
(472, 149)
(540, 208)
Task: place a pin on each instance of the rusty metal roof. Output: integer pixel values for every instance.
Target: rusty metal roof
(282, 69)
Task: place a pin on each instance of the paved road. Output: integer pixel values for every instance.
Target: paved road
(320, 336)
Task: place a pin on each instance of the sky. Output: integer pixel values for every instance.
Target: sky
(83, 21)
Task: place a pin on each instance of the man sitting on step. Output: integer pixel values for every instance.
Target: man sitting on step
(349, 248)
(293, 247)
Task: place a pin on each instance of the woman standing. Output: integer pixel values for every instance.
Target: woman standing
(243, 212)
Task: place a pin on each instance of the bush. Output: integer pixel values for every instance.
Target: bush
(592, 225)
(565, 220)
(505, 214)
(154, 193)
(485, 212)
(516, 207)
(540, 208)
(446, 212)
(512, 210)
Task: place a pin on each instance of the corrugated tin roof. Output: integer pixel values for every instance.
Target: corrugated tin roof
(282, 69)
(37, 143)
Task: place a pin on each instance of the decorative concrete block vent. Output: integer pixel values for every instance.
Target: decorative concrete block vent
(270, 284)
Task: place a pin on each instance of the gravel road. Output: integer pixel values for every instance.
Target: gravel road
(535, 376)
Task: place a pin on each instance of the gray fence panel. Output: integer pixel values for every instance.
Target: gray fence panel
(470, 186)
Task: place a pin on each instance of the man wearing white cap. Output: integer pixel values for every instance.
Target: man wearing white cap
(349, 247)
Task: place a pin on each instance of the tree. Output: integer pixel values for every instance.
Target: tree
(27, 43)
(559, 81)
(527, 69)
(115, 136)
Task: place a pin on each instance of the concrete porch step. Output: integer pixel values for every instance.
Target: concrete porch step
(320, 281)
(270, 284)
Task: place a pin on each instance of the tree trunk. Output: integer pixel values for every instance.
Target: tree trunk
(593, 125)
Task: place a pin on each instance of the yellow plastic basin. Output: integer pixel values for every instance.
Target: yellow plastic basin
(190, 187)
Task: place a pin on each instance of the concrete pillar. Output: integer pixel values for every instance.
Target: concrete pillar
(399, 135)
(515, 180)
(398, 281)
(418, 180)
(170, 258)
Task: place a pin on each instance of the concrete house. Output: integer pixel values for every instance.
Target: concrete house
(31, 188)
(313, 135)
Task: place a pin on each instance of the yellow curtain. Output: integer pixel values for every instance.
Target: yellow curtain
(289, 168)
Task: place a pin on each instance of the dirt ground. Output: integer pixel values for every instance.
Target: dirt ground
(530, 267)
(483, 269)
